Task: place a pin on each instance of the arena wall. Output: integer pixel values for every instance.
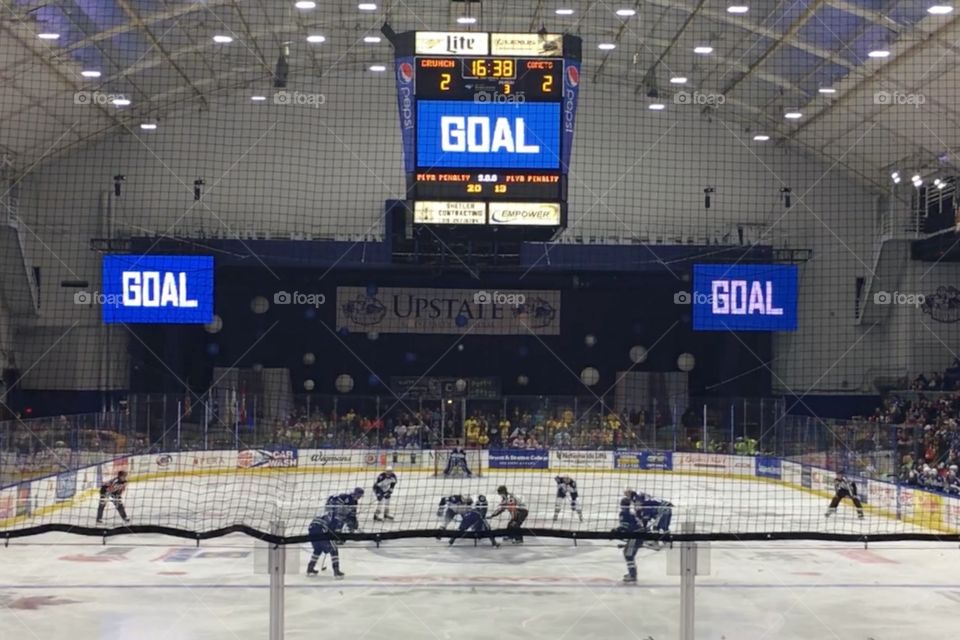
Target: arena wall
(284, 170)
(933, 511)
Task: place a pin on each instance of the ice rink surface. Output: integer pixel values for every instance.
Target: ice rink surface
(157, 588)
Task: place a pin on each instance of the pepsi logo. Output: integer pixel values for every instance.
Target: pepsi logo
(573, 76)
(405, 72)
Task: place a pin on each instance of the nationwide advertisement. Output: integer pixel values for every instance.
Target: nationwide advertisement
(582, 459)
(768, 467)
(519, 459)
(448, 311)
(66, 485)
(267, 459)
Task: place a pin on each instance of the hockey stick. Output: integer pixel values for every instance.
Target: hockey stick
(323, 562)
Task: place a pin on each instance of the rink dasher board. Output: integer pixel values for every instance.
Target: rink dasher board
(44, 496)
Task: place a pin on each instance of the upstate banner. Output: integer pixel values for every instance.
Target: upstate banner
(477, 311)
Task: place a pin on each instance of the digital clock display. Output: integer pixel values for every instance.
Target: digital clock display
(496, 68)
(490, 79)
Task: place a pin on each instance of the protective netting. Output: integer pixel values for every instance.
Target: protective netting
(255, 254)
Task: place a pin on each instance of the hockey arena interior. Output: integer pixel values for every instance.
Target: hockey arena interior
(430, 319)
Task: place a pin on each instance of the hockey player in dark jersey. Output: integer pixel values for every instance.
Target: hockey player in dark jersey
(453, 506)
(567, 486)
(655, 515)
(475, 520)
(457, 459)
(514, 505)
(112, 491)
(383, 489)
(344, 507)
(845, 488)
(636, 499)
(629, 524)
(327, 526)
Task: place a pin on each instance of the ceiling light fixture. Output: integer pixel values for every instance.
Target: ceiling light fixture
(793, 115)
(371, 39)
(879, 53)
(120, 102)
(761, 138)
(940, 9)
(305, 4)
(564, 12)
(367, 6)
(626, 13)
(48, 36)
(148, 126)
(219, 39)
(258, 98)
(377, 68)
(606, 46)
(827, 90)
(316, 39)
(657, 106)
(678, 80)
(703, 50)
(466, 20)
(90, 73)
(738, 8)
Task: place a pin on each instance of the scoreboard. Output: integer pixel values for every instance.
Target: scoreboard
(487, 122)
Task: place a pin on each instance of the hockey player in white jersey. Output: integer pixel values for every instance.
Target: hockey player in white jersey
(567, 487)
(383, 490)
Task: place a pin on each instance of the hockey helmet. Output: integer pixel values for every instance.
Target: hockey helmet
(358, 492)
(628, 492)
(625, 503)
(482, 499)
(389, 469)
(122, 474)
(502, 490)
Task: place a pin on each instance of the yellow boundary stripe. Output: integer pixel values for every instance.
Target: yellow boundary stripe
(918, 521)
